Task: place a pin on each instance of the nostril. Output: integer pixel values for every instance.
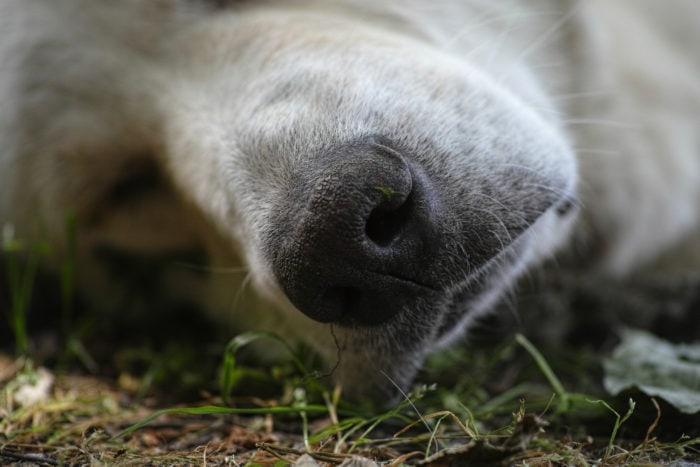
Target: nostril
(389, 218)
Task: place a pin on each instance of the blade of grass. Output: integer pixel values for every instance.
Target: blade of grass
(376, 421)
(18, 305)
(301, 402)
(502, 402)
(216, 410)
(227, 372)
(618, 422)
(67, 276)
(564, 397)
(21, 267)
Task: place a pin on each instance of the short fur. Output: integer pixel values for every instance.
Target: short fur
(177, 126)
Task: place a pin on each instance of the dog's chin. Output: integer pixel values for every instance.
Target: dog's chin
(380, 361)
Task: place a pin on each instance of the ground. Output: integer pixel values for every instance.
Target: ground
(168, 387)
(488, 407)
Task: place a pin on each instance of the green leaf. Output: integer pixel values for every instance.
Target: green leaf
(657, 368)
(228, 374)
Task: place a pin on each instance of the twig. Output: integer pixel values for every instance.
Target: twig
(39, 458)
(277, 451)
(653, 424)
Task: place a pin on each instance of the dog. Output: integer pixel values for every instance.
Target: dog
(369, 177)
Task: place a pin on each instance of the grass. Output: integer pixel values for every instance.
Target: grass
(510, 407)
(103, 421)
(21, 264)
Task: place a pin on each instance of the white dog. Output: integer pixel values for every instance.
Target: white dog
(382, 170)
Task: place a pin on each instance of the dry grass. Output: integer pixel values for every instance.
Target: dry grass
(77, 419)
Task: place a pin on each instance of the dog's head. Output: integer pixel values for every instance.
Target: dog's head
(383, 192)
(373, 183)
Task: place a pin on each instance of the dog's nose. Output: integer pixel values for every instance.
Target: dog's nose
(355, 251)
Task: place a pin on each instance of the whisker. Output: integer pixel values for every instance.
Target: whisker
(522, 167)
(549, 33)
(216, 270)
(600, 151)
(561, 193)
(546, 65)
(408, 399)
(601, 122)
(509, 301)
(494, 232)
(496, 44)
(241, 290)
(539, 42)
(491, 198)
(580, 95)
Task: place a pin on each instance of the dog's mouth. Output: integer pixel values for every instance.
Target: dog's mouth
(370, 307)
(375, 361)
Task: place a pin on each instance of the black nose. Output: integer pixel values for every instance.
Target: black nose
(354, 251)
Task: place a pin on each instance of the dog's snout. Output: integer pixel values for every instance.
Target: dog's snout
(354, 254)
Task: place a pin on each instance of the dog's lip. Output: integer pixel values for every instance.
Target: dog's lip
(407, 280)
(416, 292)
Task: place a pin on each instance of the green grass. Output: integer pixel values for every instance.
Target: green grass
(523, 425)
(21, 262)
(465, 411)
